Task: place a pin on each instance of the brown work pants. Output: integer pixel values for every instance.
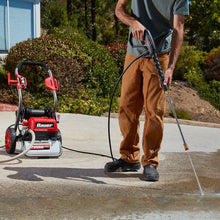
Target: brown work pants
(141, 87)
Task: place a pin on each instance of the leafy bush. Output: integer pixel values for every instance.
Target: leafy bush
(86, 103)
(203, 24)
(3, 77)
(101, 68)
(85, 71)
(212, 65)
(57, 54)
(210, 91)
(181, 114)
(118, 52)
(207, 88)
(189, 60)
(10, 95)
(108, 35)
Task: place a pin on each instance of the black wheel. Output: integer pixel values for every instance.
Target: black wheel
(10, 140)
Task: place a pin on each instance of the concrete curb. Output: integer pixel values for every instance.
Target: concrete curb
(173, 120)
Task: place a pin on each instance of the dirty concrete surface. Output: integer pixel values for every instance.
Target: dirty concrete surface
(75, 186)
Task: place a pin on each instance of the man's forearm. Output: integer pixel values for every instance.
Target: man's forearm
(122, 13)
(137, 28)
(176, 43)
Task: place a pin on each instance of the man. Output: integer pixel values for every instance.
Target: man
(141, 85)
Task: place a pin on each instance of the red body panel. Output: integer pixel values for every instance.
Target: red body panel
(42, 124)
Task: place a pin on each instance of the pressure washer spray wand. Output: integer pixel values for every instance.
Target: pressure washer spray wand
(150, 46)
(152, 49)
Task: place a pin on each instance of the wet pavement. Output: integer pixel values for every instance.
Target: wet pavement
(75, 185)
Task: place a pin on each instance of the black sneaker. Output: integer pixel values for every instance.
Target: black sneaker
(150, 173)
(121, 166)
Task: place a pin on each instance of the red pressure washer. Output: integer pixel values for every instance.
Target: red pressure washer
(48, 140)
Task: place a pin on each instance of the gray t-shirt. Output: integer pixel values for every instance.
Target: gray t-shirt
(157, 17)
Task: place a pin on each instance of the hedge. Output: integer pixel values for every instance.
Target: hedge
(85, 71)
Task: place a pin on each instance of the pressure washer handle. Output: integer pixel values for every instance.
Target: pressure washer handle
(33, 64)
(132, 44)
(148, 42)
(11, 81)
(21, 81)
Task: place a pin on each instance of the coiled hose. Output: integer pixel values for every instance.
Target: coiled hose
(24, 152)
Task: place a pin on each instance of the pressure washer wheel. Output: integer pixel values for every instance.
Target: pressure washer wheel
(10, 140)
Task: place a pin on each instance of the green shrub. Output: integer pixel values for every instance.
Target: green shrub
(10, 95)
(212, 65)
(57, 54)
(208, 90)
(85, 71)
(118, 52)
(211, 92)
(107, 36)
(3, 78)
(194, 79)
(87, 103)
(101, 68)
(181, 114)
(189, 59)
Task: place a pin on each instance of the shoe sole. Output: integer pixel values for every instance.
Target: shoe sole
(151, 178)
(126, 168)
(134, 168)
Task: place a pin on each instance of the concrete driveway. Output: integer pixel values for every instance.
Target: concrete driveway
(74, 186)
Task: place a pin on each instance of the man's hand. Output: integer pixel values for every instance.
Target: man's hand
(168, 77)
(137, 30)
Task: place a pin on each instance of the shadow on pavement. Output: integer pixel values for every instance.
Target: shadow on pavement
(37, 174)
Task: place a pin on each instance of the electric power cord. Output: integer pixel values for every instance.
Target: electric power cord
(86, 152)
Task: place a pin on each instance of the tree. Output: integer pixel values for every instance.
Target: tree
(53, 14)
(204, 24)
(69, 8)
(86, 18)
(93, 16)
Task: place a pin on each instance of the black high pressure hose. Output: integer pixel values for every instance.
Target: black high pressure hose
(113, 93)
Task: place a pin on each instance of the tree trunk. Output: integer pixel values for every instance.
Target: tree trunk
(69, 8)
(93, 15)
(116, 25)
(86, 19)
(116, 21)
